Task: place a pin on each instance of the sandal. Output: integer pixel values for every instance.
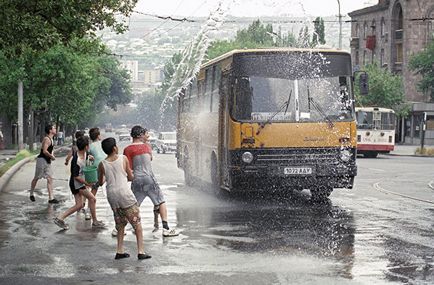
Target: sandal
(121, 255)
(141, 256)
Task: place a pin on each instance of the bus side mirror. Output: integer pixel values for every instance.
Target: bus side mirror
(363, 83)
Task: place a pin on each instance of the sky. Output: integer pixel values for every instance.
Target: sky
(252, 8)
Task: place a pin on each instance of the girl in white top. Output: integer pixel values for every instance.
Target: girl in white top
(116, 172)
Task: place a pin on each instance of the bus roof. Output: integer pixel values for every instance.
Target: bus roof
(270, 50)
(371, 109)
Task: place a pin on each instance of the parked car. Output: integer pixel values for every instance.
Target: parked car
(124, 136)
(166, 142)
(108, 128)
(152, 140)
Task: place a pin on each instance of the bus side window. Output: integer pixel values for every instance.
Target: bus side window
(215, 95)
(244, 99)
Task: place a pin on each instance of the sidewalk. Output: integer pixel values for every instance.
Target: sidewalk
(6, 154)
(407, 149)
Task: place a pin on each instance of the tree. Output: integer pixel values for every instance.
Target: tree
(38, 25)
(318, 33)
(385, 90)
(423, 64)
(256, 35)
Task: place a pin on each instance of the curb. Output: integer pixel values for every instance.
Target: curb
(6, 177)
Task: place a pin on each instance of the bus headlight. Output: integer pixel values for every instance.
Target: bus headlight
(247, 157)
(345, 155)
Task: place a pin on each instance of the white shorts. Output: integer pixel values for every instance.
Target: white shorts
(43, 169)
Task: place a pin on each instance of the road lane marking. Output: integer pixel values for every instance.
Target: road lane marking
(379, 188)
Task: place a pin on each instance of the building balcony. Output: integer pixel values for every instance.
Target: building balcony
(354, 43)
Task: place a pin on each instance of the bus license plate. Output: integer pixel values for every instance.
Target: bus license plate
(297, 170)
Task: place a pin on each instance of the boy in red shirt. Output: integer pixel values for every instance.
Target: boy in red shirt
(144, 184)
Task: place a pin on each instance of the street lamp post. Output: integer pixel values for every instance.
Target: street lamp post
(340, 25)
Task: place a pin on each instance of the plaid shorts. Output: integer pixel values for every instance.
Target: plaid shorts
(125, 215)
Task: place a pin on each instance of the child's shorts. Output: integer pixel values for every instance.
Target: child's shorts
(125, 215)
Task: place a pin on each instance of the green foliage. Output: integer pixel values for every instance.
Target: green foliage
(385, 90)
(38, 25)
(20, 156)
(423, 64)
(71, 82)
(318, 33)
(256, 35)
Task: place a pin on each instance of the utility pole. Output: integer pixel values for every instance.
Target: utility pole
(20, 124)
(340, 24)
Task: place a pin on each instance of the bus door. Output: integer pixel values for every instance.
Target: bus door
(224, 120)
(376, 117)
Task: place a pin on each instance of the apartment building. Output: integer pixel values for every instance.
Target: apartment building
(389, 33)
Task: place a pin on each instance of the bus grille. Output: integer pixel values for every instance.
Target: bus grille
(296, 157)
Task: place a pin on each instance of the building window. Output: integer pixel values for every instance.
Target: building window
(398, 37)
(382, 57)
(357, 58)
(431, 25)
(356, 31)
(373, 27)
(365, 30)
(364, 58)
(383, 27)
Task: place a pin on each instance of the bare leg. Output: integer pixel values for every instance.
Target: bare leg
(33, 185)
(163, 212)
(50, 187)
(139, 237)
(78, 205)
(156, 213)
(91, 202)
(120, 238)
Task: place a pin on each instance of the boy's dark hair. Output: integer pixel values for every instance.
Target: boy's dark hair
(82, 142)
(94, 133)
(137, 131)
(48, 128)
(107, 145)
(79, 134)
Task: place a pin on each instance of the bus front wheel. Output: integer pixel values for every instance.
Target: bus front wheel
(320, 193)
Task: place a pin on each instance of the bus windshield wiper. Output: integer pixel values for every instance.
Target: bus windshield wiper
(318, 108)
(268, 121)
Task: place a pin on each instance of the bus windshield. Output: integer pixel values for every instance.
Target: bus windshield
(258, 98)
(292, 87)
(375, 120)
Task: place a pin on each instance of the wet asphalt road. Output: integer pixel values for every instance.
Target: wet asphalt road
(361, 236)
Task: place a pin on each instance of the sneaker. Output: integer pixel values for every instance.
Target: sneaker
(52, 201)
(156, 228)
(98, 224)
(32, 198)
(87, 216)
(170, 233)
(61, 224)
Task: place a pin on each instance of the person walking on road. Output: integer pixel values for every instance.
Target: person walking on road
(116, 172)
(144, 184)
(43, 165)
(79, 187)
(99, 155)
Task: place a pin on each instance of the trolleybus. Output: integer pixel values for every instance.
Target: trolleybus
(270, 119)
(375, 130)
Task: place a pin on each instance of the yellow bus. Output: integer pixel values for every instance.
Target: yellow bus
(270, 119)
